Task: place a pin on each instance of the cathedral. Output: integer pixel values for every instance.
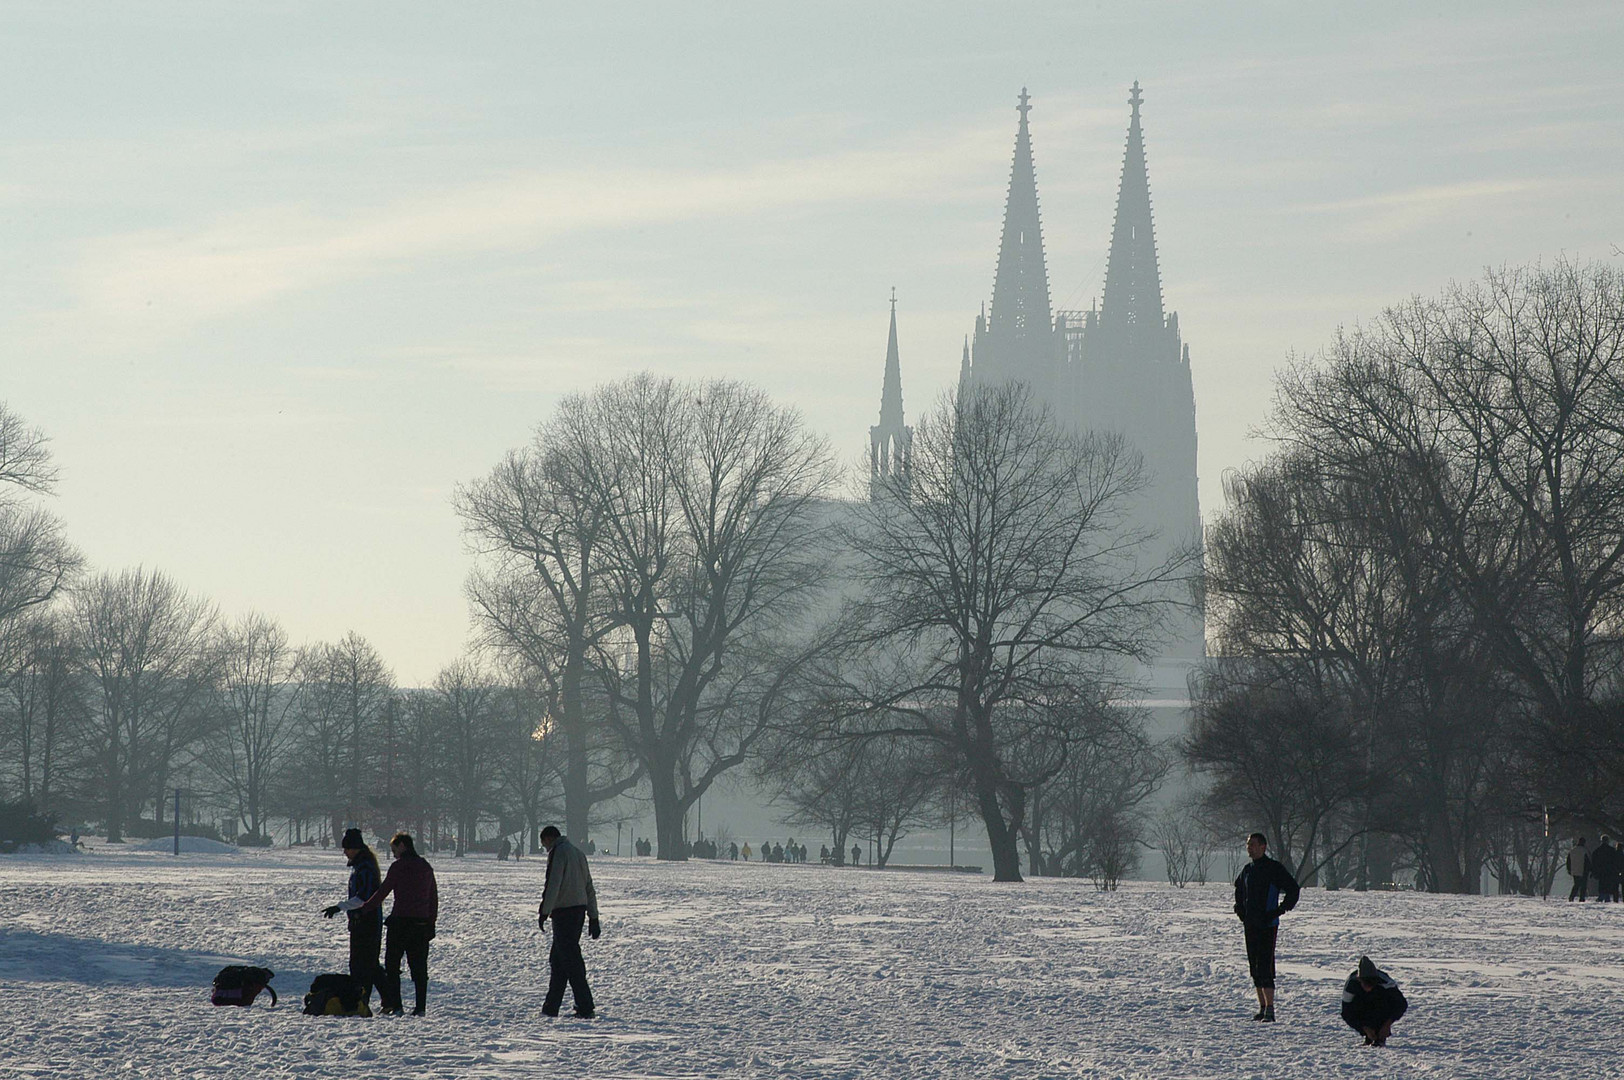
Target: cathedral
(1119, 366)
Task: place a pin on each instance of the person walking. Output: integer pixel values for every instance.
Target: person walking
(569, 899)
(366, 928)
(1579, 870)
(745, 851)
(1263, 890)
(411, 923)
(1371, 1002)
(1605, 867)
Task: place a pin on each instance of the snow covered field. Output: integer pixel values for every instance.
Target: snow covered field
(746, 970)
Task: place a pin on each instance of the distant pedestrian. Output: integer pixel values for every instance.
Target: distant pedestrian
(569, 899)
(856, 855)
(1606, 868)
(366, 928)
(1263, 890)
(1371, 1002)
(1579, 870)
(778, 853)
(411, 923)
(733, 851)
(823, 853)
(745, 851)
(505, 850)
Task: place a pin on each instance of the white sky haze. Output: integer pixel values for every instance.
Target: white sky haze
(276, 277)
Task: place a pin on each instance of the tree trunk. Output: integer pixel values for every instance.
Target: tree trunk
(1006, 857)
(577, 791)
(668, 810)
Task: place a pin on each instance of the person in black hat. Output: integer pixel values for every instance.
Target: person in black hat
(366, 928)
(1371, 1001)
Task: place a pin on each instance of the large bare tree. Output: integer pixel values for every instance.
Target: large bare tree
(711, 498)
(1006, 586)
(542, 600)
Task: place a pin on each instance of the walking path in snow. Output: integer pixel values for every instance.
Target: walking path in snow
(750, 970)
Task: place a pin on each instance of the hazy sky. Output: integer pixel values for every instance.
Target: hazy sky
(275, 278)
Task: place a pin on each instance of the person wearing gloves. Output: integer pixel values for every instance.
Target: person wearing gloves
(411, 923)
(366, 929)
(1263, 890)
(1371, 1001)
(569, 899)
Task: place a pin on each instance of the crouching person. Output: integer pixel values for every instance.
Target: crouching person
(410, 923)
(1371, 1002)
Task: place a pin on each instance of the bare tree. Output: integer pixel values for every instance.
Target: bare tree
(146, 647)
(1005, 583)
(467, 709)
(345, 695)
(35, 558)
(543, 600)
(42, 707)
(1505, 400)
(710, 494)
(258, 699)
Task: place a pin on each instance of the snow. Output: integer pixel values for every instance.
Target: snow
(752, 970)
(189, 845)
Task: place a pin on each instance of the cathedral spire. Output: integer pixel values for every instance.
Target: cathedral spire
(890, 442)
(1020, 327)
(1133, 283)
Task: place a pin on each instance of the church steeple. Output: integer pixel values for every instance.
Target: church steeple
(1019, 338)
(1132, 303)
(890, 442)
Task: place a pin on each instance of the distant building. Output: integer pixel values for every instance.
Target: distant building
(890, 442)
(1120, 366)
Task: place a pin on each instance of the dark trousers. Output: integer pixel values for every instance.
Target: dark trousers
(567, 963)
(366, 937)
(409, 938)
(1260, 954)
(1581, 885)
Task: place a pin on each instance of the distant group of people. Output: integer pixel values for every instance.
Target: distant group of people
(1265, 890)
(1604, 865)
(568, 898)
(770, 852)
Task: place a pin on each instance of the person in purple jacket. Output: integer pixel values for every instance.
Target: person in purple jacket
(411, 923)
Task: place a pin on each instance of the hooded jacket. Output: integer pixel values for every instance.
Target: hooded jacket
(1371, 1008)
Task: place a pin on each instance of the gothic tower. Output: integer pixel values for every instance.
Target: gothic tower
(890, 442)
(1017, 339)
(1127, 370)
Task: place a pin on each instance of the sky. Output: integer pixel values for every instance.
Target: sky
(276, 278)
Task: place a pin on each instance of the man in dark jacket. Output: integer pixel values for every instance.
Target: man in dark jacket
(1371, 1002)
(569, 899)
(366, 928)
(411, 923)
(1263, 890)
(1605, 868)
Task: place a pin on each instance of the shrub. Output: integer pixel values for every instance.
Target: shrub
(21, 823)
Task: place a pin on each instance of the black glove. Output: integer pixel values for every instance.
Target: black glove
(593, 928)
(329, 912)
(1240, 913)
(541, 920)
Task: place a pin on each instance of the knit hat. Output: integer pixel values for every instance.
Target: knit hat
(352, 839)
(1368, 971)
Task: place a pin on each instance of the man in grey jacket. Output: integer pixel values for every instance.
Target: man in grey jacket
(569, 899)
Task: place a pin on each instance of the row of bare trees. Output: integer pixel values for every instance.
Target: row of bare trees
(668, 560)
(1417, 596)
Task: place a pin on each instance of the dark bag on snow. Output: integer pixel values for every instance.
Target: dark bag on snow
(336, 995)
(239, 984)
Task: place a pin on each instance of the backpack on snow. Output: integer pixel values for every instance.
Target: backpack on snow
(240, 984)
(336, 995)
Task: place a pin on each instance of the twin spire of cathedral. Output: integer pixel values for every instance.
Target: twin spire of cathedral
(1020, 336)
